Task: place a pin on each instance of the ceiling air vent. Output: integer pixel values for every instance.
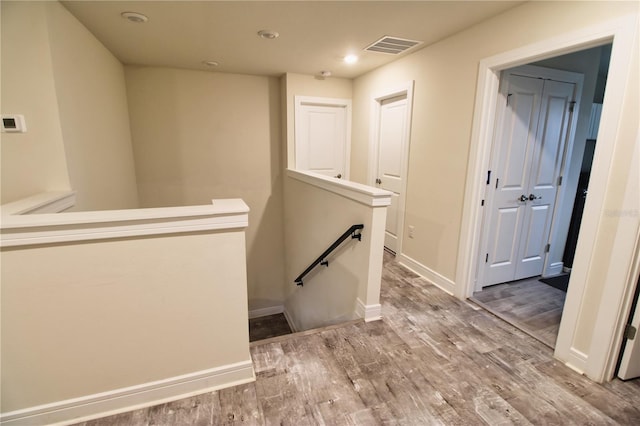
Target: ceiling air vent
(392, 45)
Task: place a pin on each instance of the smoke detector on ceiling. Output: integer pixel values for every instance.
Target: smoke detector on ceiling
(392, 45)
(134, 17)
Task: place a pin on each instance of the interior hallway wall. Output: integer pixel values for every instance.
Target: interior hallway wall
(35, 161)
(201, 135)
(72, 93)
(445, 75)
(92, 101)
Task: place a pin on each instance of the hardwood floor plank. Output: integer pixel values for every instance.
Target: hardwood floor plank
(237, 405)
(432, 360)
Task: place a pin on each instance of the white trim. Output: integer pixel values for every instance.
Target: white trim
(576, 360)
(407, 90)
(622, 32)
(292, 324)
(363, 194)
(46, 202)
(134, 397)
(429, 274)
(368, 312)
(264, 312)
(329, 102)
(24, 230)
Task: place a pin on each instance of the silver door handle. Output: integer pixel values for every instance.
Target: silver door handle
(378, 181)
(523, 198)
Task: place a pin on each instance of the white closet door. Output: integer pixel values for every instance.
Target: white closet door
(322, 135)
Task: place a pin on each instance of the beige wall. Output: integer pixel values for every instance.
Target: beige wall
(100, 316)
(199, 136)
(35, 161)
(92, 104)
(72, 93)
(445, 77)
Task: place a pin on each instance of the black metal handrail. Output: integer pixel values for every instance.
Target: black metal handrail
(321, 260)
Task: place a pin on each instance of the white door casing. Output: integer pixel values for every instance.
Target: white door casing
(323, 135)
(600, 361)
(389, 154)
(535, 123)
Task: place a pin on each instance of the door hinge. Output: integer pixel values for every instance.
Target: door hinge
(508, 97)
(630, 332)
(488, 177)
(497, 183)
(572, 106)
(559, 180)
(486, 259)
(547, 248)
(482, 203)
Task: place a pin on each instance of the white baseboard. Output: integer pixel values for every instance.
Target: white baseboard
(263, 312)
(131, 398)
(433, 277)
(368, 312)
(292, 325)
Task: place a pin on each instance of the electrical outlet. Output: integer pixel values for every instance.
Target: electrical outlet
(411, 229)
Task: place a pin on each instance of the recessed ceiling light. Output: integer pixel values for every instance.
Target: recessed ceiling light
(211, 64)
(351, 59)
(136, 17)
(268, 34)
(325, 73)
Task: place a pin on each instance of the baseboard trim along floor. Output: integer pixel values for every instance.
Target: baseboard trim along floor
(132, 398)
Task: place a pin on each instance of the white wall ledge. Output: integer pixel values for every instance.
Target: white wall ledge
(46, 202)
(363, 194)
(26, 229)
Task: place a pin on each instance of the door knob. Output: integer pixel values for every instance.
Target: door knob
(339, 176)
(378, 181)
(533, 197)
(523, 198)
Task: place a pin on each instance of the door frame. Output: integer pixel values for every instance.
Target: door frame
(405, 89)
(299, 101)
(605, 340)
(533, 71)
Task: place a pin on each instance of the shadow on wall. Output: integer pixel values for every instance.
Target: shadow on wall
(320, 303)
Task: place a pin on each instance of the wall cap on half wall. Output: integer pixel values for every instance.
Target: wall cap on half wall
(31, 229)
(363, 194)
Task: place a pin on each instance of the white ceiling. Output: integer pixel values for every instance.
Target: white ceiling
(314, 35)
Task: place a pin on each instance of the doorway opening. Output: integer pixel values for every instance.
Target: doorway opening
(528, 240)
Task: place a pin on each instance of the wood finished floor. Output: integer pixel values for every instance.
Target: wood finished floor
(530, 305)
(433, 359)
(267, 327)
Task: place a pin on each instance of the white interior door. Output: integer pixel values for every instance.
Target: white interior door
(542, 185)
(322, 135)
(392, 140)
(527, 161)
(630, 362)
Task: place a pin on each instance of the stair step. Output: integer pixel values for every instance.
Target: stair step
(304, 333)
